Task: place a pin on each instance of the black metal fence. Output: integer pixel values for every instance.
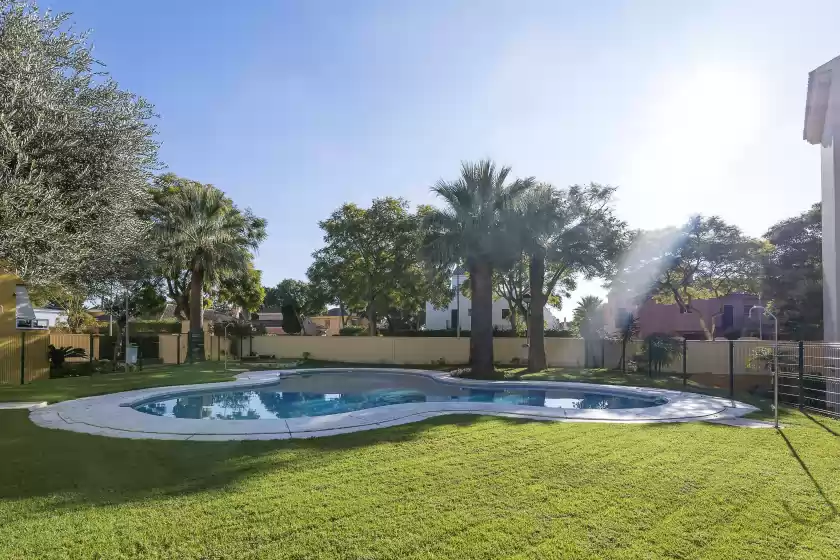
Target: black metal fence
(809, 372)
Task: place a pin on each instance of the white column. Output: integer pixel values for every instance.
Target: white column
(822, 126)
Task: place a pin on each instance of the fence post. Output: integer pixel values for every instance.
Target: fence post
(178, 351)
(685, 362)
(731, 369)
(23, 358)
(90, 354)
(250, 344)
(801, 371)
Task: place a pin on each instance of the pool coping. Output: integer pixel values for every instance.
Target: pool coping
(112, 415)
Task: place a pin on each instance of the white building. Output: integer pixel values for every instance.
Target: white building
(449, 317)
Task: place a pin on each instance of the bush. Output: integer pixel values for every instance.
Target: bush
(59, 355)
(82, 369)
(150, 326)
(559, 333)
(352, 330)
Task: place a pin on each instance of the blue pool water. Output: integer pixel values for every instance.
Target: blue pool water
(323, 394)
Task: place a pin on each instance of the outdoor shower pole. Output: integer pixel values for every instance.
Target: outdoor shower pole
(775, 362)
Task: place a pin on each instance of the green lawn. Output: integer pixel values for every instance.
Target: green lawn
(450, 487)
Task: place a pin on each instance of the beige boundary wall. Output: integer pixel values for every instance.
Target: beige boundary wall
(410, 350)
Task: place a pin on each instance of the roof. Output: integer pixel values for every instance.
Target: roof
(817, 103)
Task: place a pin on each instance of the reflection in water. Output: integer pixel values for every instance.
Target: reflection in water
(272, 402)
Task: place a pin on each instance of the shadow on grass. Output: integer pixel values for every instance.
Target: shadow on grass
(815, 482)
(820, 424)
(73, 470)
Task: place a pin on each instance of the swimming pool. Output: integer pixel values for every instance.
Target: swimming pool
(313, 403)
(323, 394)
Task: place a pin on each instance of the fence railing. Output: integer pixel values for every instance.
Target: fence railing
(809, 372)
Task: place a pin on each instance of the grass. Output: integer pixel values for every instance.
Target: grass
(453, 487)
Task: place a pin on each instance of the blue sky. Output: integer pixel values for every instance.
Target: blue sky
(293, 108)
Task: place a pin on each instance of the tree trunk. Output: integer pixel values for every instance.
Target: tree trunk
(341, 310)
(536, 279)
(481, 328)
(196, 337)
(196, 300)
(371, 316)
(512, 318)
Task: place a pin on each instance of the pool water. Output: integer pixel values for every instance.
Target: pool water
(330, 393)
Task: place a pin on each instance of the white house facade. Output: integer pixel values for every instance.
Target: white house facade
(460, 310)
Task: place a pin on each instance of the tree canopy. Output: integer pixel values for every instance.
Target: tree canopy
(371, 260)
(705, 259)
(200, 230)
(76, 153)
(793, 274)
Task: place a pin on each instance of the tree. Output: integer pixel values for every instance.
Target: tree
(584, 316)
(76, 153)
(792, 277)
(302, 299)
(471, 229)
(371, 258)
(202, 231)
(565, 233)
(241, 293)
(707, 259)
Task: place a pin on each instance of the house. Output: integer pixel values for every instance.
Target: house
(448, 317)
(49, 315)
(730, 315)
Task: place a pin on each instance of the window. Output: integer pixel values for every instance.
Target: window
(505, 313)
(621, 318)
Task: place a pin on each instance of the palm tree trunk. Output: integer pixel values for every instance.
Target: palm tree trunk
(536, 278)
(481, 328)
(196, 337)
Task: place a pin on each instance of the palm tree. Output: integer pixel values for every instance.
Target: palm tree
(565, 233)
(472, 230)
(204, 233)
(584, 313)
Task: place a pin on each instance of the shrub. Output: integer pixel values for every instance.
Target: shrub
(352, 330)
(151, 326)
(559, 333)
(58, 355)
(660, 350)
(83, 369)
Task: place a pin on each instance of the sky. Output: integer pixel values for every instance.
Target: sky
(295, 107)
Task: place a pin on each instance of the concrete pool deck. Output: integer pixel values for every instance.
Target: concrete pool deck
(112, 415)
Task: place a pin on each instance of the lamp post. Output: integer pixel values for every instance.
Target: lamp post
(764, 311)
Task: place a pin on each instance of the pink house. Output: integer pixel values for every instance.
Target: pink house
(732, 317)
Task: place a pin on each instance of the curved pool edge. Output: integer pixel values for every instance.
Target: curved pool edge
(112, 415)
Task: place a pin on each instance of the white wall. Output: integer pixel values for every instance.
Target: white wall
(442, 318)
(49, 315)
